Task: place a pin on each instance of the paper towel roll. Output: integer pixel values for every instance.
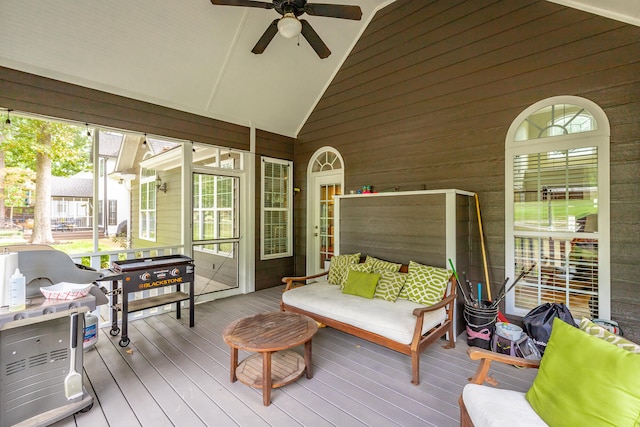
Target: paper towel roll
(8, 264)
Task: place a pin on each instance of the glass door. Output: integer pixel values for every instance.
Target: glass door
(216, 235)
(326, 223)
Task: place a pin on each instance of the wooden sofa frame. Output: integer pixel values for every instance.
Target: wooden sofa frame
(482, 373)
(419, 341)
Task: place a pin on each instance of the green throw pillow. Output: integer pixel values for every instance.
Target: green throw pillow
(379, 265)
(390, 285)
(361, 284)
(585, 381)
(360, 267)
(598, 331)
(339, 266)
(425, 284)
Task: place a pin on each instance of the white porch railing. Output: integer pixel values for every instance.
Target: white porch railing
(103, 260)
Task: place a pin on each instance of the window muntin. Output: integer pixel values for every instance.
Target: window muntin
(325, 162)
(556, 120)
(277, 212)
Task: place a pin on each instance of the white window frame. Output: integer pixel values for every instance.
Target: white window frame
(288, 209)
(597, 138)
(148, 183)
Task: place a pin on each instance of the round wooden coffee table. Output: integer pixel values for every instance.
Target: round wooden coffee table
(270, 335)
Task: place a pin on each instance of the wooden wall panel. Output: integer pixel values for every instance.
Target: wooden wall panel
(428, 93)
(269, 272)
(39, 95)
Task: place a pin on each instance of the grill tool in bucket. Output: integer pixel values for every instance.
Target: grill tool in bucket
(73, 380)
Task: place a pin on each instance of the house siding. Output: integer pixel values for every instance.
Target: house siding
(269, 272)
(426, 97)
(52, 98)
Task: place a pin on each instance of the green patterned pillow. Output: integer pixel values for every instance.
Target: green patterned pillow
(390, 285)
(425, 284)
(379, 265)
(339, 266)
(598, 331)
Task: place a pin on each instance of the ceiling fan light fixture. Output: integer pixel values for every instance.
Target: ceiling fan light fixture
(289, 26)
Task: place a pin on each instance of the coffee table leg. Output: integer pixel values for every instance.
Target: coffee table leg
(307, 359)
(234, 363)
(266, 378)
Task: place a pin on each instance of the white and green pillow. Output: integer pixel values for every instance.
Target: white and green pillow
(379, 265)
(596, 330)
(390, 285)
(425, 284)
(338, 267)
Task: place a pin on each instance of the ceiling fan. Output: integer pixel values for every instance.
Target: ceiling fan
(290, 26)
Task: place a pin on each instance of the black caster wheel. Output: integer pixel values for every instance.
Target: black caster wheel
(114, 331)
(124, 342)
(87, 408)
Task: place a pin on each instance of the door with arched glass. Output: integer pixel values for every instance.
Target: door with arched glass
(325, 176)
(557, 207)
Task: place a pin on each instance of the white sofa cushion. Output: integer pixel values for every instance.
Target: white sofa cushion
(494, 407)
(393, 320)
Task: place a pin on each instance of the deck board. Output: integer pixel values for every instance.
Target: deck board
(174, 375)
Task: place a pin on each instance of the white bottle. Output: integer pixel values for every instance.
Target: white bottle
(17, 292)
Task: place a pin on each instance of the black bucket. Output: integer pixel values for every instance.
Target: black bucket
(481, 324)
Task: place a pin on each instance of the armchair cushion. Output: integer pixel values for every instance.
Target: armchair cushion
(585, 381)
(494, 407)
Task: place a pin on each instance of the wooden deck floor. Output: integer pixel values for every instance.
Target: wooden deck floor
(173, 375)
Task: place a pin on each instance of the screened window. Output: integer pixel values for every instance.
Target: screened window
(214, 207)
(147, 204)
(557, 195)
(277, 209)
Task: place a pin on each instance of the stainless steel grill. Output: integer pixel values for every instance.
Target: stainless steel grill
(35, 342)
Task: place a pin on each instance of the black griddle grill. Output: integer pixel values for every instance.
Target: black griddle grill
(137, 275)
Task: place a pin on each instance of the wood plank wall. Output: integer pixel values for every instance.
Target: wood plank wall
(39, 95)
(426, 97)
(269, 272)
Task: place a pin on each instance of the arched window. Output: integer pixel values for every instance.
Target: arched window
(326, 161)
(557, 207)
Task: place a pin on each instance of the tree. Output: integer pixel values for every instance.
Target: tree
(48, 148)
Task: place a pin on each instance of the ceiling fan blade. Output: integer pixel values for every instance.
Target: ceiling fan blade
(266, 38)
(334, 10)
(314, 40)
(244, 3)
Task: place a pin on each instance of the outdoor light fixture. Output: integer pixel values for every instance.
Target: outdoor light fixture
(289, 26)
(7, 122)
(161, 186)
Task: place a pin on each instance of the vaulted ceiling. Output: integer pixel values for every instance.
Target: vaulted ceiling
(193, 56)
